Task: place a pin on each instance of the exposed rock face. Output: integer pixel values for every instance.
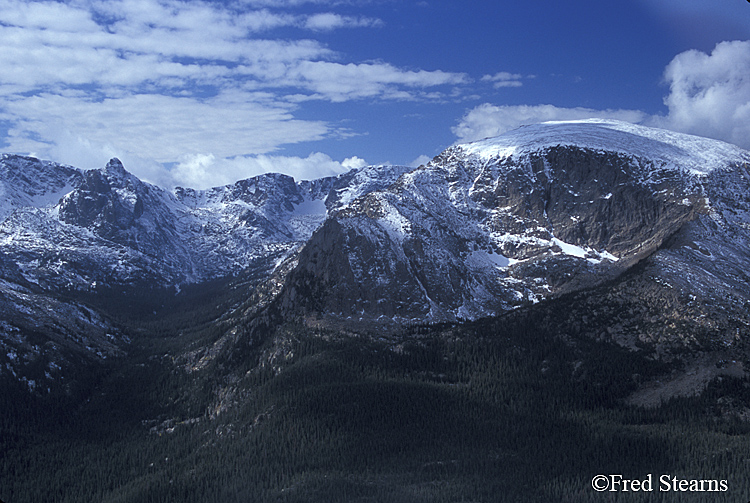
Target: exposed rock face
(29, 182)
(119, 208)
(598, 200)
(106, 201)
(476, 233)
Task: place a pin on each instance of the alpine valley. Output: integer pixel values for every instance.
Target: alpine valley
(503, 323)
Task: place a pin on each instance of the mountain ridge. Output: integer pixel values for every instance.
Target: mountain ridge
(69, 235)
(390, 334)
(483, 228)
(488, 223)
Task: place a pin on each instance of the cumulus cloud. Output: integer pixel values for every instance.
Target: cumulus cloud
(203, 171)
(710, 93)
(490, 120)
(353, 162)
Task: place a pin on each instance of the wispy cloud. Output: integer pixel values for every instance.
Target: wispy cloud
(504, 79)
(329, 21)
(488, 120)
(342, 82)
(158, 126)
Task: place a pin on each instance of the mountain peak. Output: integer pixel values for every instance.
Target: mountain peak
(115, 166)
(533, 214)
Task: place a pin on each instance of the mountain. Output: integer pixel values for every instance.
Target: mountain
(511, 318)
(68, 236)
(534, 214)
(539, 213)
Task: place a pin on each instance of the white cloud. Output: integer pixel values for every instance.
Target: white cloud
(710, 93)
(162, 128)
(157, 80)
(182, 44)
(54, 16)
(504, 79)
(419, 161)
(489, 120)
(203, 171)
(281, 4)
(329, 21)
(342, 82)
(353, 162)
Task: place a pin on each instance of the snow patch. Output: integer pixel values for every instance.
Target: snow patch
(593, 256)
(394, 223)
(569, 249)
(481, 259)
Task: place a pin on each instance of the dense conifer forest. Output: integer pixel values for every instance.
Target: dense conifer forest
(504, 409)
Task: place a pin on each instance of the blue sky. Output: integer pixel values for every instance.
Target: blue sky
(203, 93)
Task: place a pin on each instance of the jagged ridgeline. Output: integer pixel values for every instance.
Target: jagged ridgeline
(483, 228)
(389, 334)
(72, 240)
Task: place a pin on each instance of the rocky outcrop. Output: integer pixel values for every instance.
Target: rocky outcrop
(108, 202)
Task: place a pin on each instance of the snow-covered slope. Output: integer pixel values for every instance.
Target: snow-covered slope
(532, 214)
(266, 217)
(29, 182)
(694, 154)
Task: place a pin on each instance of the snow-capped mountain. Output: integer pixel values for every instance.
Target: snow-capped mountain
(66, 231)
(29, 182)
(535, 213)
(110, 228)
(482, 229)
